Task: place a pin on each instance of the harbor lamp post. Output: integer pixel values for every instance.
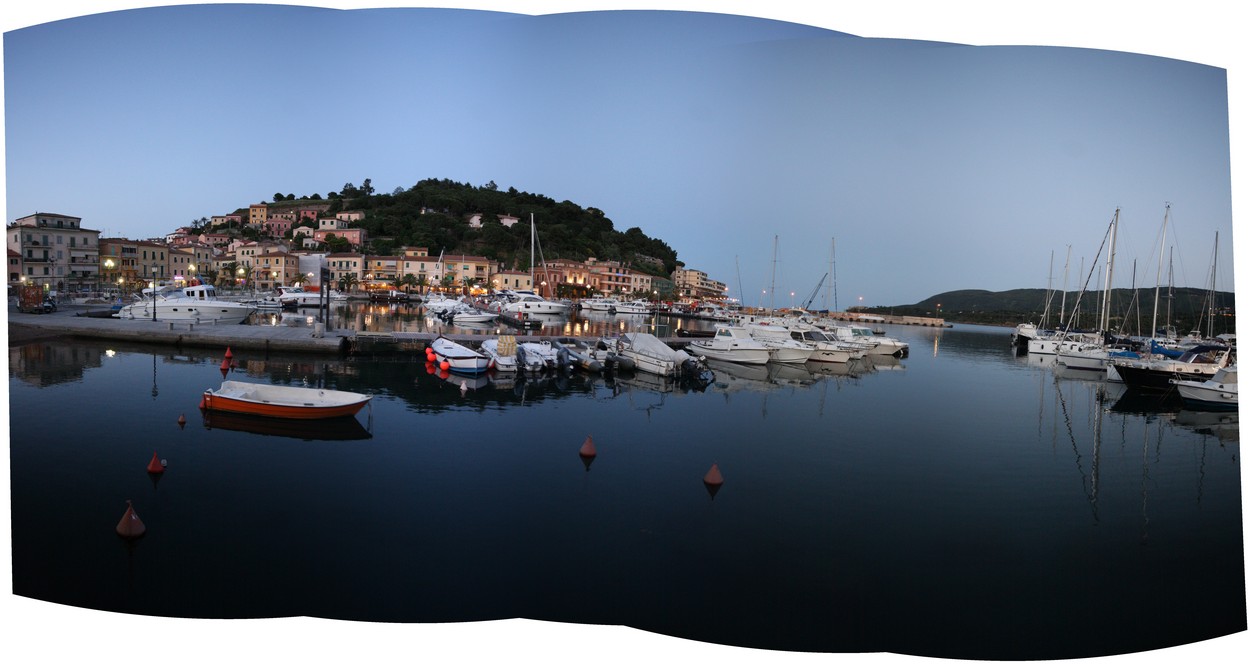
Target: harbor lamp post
(191, 271)
(153, 294)
(108, 270)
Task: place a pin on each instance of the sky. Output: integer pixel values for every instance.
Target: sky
(941, 146)
(776, 155)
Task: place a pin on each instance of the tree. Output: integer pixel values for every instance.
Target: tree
(423, 283)
(348, 282)
(408, 281)
(278, 197)
(299, 279)
(366, 187)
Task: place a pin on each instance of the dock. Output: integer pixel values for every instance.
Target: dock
(86, 321)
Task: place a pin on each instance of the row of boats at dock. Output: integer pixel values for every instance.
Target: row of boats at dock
(748, 341)
(1201, 371)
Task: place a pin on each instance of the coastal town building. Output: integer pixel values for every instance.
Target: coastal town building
(57, 252)
(696, 286)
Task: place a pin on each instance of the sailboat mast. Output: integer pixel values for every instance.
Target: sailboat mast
(1154, 321)
(532, 250)
(1063, 299)
(1104, 323)
(1215, 254)
(772, 290)
(833, 249)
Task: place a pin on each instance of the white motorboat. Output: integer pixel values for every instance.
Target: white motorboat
(881, 344)
(777, 338)
(633, 307)
(603, 304)
(502, 350)
(731, 343)
(459, 357)
(1216, 393)
(529, 302)
(463, 313)
(293, 297)
(189, 304)
(827, 349)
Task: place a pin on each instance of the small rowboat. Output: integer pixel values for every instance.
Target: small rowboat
(299, 403)
(459, 357)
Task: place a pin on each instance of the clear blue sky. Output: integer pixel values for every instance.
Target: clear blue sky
(936, 166)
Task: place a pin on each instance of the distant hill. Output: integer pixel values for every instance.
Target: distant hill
(1185, 305)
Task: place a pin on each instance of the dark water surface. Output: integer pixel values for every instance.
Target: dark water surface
(962, 502)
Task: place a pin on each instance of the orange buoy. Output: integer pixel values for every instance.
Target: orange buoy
(588, 449)
(225, 364)
(155, 465)
(713, 477)
(130, 526)
(444, 365)
(228, 353)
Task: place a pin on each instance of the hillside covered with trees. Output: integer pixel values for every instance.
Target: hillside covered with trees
(1183, 308)
(434, 214)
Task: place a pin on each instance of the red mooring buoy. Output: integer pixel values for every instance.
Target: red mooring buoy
(228, 353)
(130, 526)
(588, 449)
(225, 364)
(155, 465)
(713, 477)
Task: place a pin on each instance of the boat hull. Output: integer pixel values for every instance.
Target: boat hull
(1204, 397)
(286, 403)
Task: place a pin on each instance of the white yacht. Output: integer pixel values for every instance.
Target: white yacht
(529, 302)
(190, 304)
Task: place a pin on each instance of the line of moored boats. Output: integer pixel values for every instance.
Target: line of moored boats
(1202, 371)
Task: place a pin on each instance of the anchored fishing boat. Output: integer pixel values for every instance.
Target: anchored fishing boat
(282, 401)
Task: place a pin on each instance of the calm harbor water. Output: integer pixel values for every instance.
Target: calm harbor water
(963, 502)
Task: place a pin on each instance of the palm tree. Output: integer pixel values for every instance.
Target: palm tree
(449, 280)
(423, 282)
(227, 273)
(299, 279)
(408, 281)
(348, 281)
(468, 283)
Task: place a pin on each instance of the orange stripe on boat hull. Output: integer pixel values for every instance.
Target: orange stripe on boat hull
(215, 402)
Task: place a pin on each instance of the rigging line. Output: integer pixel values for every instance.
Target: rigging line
(1093, 268)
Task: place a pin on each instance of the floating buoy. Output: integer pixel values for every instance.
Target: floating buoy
(130, 526)
(182, 419)
(156, 465)
(225, 364)
(444, 365)
(713, 477)
(228, 353)
(588, 448)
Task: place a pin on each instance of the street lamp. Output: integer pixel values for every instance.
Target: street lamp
(153, 301)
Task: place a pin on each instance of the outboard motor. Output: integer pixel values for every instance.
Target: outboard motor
(562, 358)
